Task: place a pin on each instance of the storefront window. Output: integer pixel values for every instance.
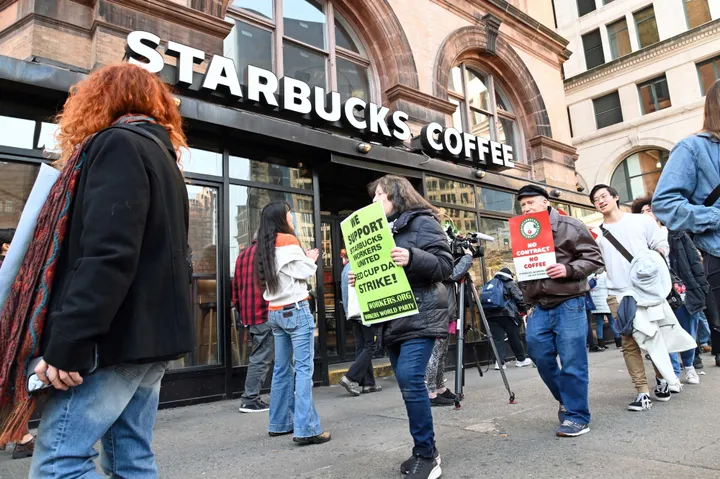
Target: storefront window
(246, 205)
(16, 182)
(448, 191)
(498, 201)
(483, 108)
(498, 254)
(203, 240)
(464, 222)
(269, 173)
(306, 53)
(204, 162)
(638, 174)
(16, 132)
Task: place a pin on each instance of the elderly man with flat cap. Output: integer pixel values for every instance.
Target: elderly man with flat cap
(557, 325)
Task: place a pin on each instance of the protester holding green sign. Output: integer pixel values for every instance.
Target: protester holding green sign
(422, 251)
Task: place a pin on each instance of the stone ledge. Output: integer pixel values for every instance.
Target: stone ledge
(412, 95)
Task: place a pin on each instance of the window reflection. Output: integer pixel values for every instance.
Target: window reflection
(343, 37)
(304, 20)
(304, 65)
(478, 93)
(272, 174)
(16, 132)
(448, 191)
(498, 254)
(246, 205)
(495, 200)
(200, 161)
(264, 8)
(249, 45)
(16, 182)
(464, 222)
(47, 141)
(352, 80)
(203, 240)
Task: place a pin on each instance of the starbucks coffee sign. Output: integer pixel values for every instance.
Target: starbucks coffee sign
(262, 87)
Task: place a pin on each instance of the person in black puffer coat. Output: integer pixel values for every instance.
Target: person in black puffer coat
(423, 251)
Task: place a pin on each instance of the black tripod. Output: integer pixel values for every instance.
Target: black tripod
(468, 287)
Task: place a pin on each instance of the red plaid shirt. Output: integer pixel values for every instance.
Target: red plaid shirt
(246, 296)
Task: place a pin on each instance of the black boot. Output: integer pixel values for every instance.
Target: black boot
(717, 360)
(618, 343)
(698, 364)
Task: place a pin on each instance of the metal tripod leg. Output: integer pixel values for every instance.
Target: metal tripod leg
(475, 296)
(460, 348)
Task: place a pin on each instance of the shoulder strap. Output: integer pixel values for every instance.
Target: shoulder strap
(613, 241)
(713, 197)
(150, 136)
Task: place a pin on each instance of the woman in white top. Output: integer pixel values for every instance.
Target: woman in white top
(283, 270)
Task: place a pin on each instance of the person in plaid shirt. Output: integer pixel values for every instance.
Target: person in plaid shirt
(253, 312)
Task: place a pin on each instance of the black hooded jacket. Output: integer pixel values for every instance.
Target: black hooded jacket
(687, 264)
(430, 263)
(512, 293)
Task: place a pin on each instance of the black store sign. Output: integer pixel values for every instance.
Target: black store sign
(262, 87)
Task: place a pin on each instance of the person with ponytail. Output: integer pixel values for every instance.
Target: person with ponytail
(283, 270)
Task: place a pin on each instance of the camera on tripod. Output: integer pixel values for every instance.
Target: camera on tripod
(471, 241)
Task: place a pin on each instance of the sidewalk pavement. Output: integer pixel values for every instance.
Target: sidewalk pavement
(488, 438)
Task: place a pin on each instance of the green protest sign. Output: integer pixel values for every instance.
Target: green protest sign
(382, 288)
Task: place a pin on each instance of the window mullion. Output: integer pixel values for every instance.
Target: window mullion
(465, 105)
(279, 34)
(493, 108)
(331, 60)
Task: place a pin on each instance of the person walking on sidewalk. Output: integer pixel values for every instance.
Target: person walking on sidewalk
(120, 305)
(360, 378)
(505, 319)
(684, 260)
(439, 394)
(630, 242)
(687, 199)
(283, 270)
(423, 252)
(599, 294)
(247, 298)
(557, 325)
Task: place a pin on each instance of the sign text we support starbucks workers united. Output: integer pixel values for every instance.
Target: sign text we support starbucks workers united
(382, 288)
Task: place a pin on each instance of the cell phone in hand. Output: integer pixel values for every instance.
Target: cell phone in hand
(33, 381)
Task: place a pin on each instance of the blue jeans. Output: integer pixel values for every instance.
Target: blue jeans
(600, 326)
(409, 361)
(291, 401)
(117, 405)
(562, 331)
(689, 323)
(703, 335)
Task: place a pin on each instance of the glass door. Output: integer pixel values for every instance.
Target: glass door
(340, 339)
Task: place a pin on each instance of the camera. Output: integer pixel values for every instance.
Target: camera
(460, 242)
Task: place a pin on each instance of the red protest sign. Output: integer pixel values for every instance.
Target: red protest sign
(532, 245)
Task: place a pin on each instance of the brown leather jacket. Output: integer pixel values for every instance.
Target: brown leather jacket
(577, 250)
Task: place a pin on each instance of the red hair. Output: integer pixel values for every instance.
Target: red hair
(109, 93)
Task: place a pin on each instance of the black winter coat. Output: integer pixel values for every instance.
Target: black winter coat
(511, 292)
(122, 284)
(430, 263)
(687, 264)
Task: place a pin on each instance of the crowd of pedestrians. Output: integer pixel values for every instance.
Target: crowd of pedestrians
(111, 306)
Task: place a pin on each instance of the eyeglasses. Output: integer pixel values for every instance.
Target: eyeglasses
(603, 197)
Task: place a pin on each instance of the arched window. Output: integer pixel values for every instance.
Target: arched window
(638, 174)
(304, 39)
(482, 107)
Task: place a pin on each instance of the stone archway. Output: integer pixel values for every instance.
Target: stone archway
(481, 43)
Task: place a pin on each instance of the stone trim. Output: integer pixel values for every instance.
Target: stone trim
(413, 95)
(508, 66)
(710, 29)
(540, 141)
(179, 15)
(43, 20)
(492, 27)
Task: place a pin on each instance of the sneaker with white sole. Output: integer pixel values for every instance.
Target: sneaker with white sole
(497, 366)
(572, 429)
(407, 465)
(662, 390)
(641, 403)
(676, 388)
(423, 468)
(255, 406)
(522, 364)
(691, 376)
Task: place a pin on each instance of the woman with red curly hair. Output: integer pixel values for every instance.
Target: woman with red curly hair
(110, 255)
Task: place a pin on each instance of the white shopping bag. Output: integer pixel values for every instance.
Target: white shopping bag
(25, 229)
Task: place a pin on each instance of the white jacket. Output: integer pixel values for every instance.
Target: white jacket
(599, 295)
(294, 271)
(650, 278)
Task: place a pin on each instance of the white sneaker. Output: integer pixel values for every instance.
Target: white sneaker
(497, 366)
(691, 376)
(522, 364)
(675, 388)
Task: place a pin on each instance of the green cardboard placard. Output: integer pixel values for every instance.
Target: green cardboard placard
(382, 287)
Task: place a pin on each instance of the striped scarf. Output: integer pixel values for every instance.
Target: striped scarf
(23, 316)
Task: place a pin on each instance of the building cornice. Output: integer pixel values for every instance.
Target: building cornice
(411, 95)
(517, 19)
(179, 14)
(554, 144)
(640, 57)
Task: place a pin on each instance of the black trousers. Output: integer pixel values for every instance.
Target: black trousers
(504, 325)
(712, 271)
(367, 343)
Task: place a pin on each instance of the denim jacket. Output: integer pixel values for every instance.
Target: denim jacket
(688, 178)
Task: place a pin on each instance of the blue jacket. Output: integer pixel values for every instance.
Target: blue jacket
(688, 178)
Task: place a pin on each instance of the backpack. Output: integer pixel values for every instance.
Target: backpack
(493, 295)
